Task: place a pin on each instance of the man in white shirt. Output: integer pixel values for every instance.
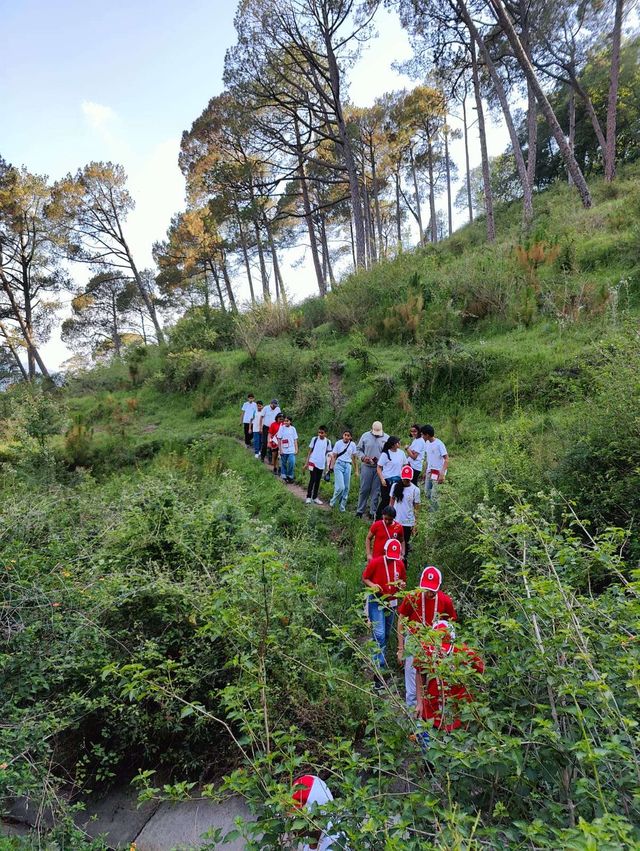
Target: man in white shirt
(249, 409)
(416, 452)
(256, 428)
(436, 465)
(269, 415)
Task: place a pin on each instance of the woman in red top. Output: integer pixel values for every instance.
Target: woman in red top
(272, 441)
(438, 700)
(382, 531)
(385, 575)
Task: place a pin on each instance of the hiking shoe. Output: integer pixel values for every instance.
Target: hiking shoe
(378, 682)
(257, 455)
(318, 502)
(342, 509)
(308, 500)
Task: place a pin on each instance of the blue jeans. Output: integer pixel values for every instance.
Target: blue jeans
(342, 473)
(257, 442)
(431, 492)
(381, 618)
(288, 465)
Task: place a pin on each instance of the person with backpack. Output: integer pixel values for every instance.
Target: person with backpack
(246, 417)
(405, 498)
(341, 462)
(437, 464)
(416, 451)
(288, 449)
(390, 463)
(369, 448)
(423, 607)
(381, 531)
(319, 449)
(268, 418)
(272, 440)
(256, 429)
(385, 575)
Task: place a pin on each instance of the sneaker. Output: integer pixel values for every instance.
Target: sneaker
(257, 455)
(342, 509)
(332, 503)
(378, 682)
(291, 481)
(308, 500)
(318, 502)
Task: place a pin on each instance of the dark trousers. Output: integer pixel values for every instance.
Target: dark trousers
(315, 477)
(416, 476)
(407, 535)
(385, 495)
(247, 433)
(265, 441)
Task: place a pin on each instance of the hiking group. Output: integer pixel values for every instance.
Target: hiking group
(438, 672)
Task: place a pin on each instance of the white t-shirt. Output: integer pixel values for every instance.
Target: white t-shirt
(319, 451)
(270, 414)
(436, 451)
(326, 843)
(419, 445)
(405, 511)
(248, 411)
(287, 435)
(392, 463)
(256, 422)
(350, 449)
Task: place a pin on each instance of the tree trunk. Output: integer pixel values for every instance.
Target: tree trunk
(543, 101)
(366, 209)
(216, 278)
(266, 292)
(612, 104)
(417, 195)
(532, 136)
(325, 250)
(376, 200)
(398, 217)
(432, 193)
(227, 282)
(448, 171)
(23, 328)
(148, 302)
(527, 205)
(115, 335)
(13, 351)
(306, 203)
(245, 254)
(466, 156)
(280, 293)
(572, 124)
(484, 153)
(353, 244)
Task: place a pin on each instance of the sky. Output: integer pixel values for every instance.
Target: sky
(120, 81)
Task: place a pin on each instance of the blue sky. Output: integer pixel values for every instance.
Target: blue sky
(120, 81)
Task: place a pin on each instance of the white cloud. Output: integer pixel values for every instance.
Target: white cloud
(99, 116)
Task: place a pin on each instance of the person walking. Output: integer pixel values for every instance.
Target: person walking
(405, 498)
(416, 451)
(437, 464)
(272, 440)
(369, 448)
(341, 462)
(269, 417)
(381, 531)
(390, 463)
(319, 449)
(246, 417)
(256, 429)
(288, 449)
(438, 701)
(311, 794)
(385, 575)
(423, 607)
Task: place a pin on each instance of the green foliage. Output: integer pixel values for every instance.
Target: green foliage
(202, 328)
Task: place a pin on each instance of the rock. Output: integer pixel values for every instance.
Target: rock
(180, 826)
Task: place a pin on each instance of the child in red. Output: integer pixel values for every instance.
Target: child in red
(423, 607)
(439, 701)
(385, 575)
(382, 531)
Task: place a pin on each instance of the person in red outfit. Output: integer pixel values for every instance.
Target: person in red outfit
(385, 575)
(423, 607)
(382, 531)
(439, 699)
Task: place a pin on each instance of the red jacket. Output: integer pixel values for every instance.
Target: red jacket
(383, 533)
(417, 607)
(440, 700)
(390, 574)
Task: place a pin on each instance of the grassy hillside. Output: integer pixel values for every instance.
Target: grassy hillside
(199, 621)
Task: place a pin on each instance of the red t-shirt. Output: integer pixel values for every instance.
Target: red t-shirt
(383, 533)
(440, 700)
(390, 574)
(417, 607)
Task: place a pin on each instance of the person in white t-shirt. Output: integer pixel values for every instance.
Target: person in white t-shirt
(249, 409)
(288, 449)
(256, 428)
(405, 498)
(310, 793)
(319, 449)
(416, 451)
(342, 463)
(268, 418)
(436, 466)
(390, 463)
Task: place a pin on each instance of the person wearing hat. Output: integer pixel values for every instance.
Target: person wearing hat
(310, 794)
(369, 448)
(438, 700)
(405, 498)
(385, 575)
(249, 409)
(268, 418)
(382, 531)
(422, 607)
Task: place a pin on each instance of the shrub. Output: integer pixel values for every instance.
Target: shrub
(78, 443)
(184, 371)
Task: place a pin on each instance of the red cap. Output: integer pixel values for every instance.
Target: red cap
(431, 578)
(309, 790)
(407, 472)
(393, 548)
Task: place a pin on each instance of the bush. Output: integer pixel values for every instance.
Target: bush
(202, 328)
